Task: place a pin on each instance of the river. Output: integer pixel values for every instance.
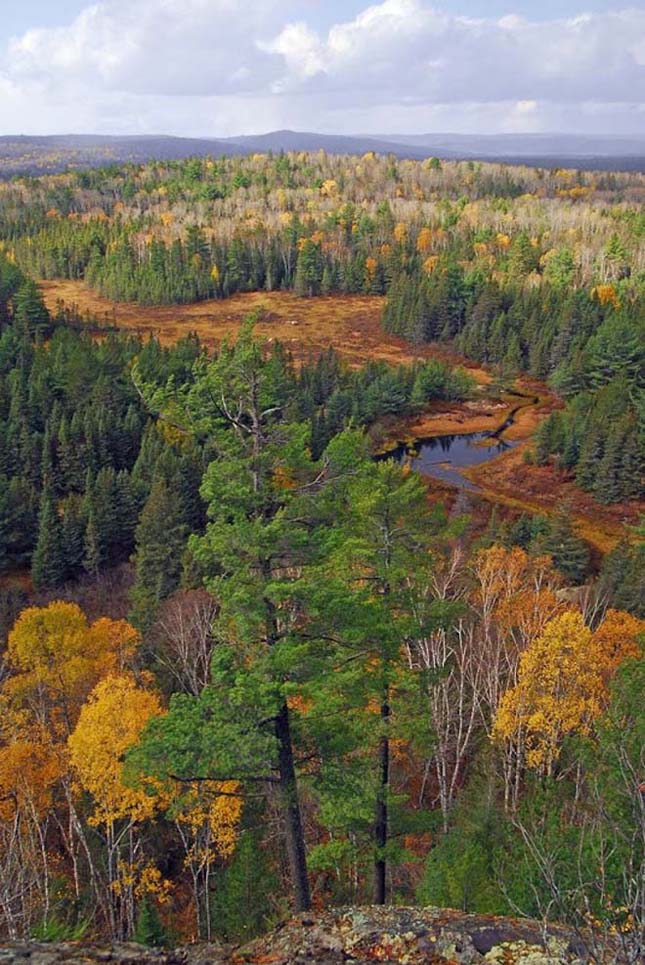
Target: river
(445, 457)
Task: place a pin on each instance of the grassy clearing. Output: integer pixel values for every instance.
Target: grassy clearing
(307, 326)
(511, 482)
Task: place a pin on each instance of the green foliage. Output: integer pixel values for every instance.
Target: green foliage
(568, 551)
(29, 310)
(160, 538)
(622, 577)
(48, 561)
(243, 903)
(149, 928)
(56, 930)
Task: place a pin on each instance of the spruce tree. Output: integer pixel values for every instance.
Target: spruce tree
(568, 551)
(73, 533)
(160, 540)
(30, 312)
(48, 560)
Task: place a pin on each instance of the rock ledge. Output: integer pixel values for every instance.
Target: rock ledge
(358, 935)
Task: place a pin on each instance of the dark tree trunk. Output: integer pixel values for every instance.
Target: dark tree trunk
(380, 819)
(295, 840)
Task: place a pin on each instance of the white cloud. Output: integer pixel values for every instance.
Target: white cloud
(407, 48)
(163, 47)
(218, 66)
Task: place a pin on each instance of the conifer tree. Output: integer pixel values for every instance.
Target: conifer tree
(30, 312)
(160, 539)
(251, 535)
(568, 551)
(48, 562)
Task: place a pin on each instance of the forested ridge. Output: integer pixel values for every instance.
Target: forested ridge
(254, 668)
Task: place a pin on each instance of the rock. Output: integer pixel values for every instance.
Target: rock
(413, 936)
(119, 953)
(358, 935)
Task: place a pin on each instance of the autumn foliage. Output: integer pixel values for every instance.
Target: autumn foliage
(72, 707)
(562, 686)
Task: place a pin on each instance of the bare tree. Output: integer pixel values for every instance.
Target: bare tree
(184, 640)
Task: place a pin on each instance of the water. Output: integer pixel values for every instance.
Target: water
(443, 457)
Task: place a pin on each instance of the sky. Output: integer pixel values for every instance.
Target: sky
(224, 67)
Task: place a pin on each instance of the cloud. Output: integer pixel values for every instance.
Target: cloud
(160, 47)
(408, 50)
(218, 66)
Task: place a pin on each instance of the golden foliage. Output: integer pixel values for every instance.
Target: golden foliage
(57, 658)
(109, 724)
(424, 241)
(605, 295)
(562, 683)
(216, 807)
(329, 188)
(400, 232)
(28, 775)
(283, 478)
(430, 263)
(617, 639)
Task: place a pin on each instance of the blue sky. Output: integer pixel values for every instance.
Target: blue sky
(214, 67)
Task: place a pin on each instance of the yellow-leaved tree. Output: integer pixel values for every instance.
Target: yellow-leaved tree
(109, 724)
(54, 658)
(562, 684)
(207, 818)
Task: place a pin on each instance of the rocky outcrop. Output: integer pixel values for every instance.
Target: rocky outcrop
(358, 935)
(414, 936)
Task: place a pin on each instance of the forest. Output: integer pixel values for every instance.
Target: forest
(248, 667)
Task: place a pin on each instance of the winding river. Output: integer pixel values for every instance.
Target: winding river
(444, 457)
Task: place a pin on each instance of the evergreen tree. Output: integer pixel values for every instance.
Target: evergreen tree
(308, 269)
(569, 553)
(149, 929)
(160, 540)
(30, 312)
(73, 534)
(48, 561)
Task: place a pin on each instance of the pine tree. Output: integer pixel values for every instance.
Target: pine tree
(308, 269)
(48, 561)
(73, 533)
(93, 555)
(591, 453)
(160, 541)
(30, 312)
(608, 485)
(569, 553)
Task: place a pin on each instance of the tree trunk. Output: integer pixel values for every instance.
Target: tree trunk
(380, 819)
(295, 840)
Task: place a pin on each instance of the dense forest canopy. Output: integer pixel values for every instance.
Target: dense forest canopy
(247, 665)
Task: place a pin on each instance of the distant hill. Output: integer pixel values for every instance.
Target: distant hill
(527, 145)
(52, 153)
(332, 143)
